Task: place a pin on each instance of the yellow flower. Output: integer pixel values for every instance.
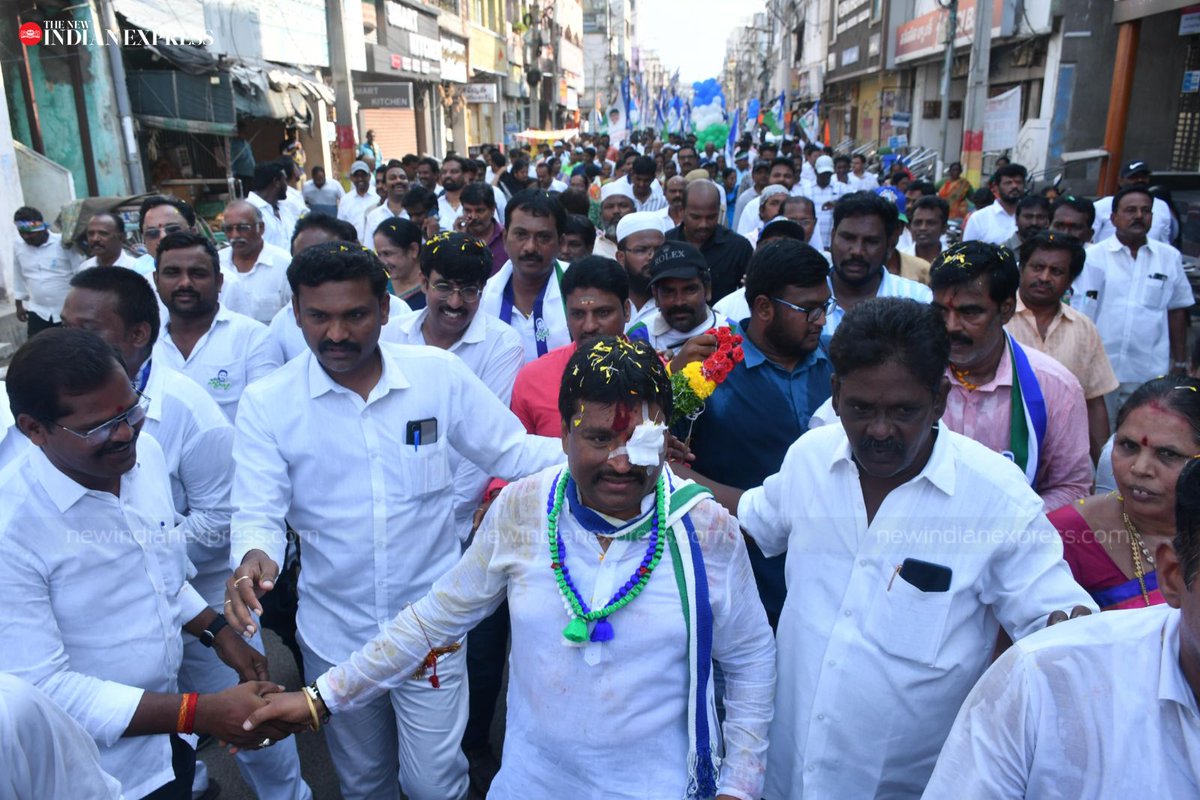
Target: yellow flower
(701, 386)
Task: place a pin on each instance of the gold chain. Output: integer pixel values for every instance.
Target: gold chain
(1138, 549)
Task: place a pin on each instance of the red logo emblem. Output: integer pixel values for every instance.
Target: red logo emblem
(30, 33)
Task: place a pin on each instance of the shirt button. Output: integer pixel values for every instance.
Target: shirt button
(812, 767)
(862, 562)
(820, 716)
(832, 663)
(849, 613)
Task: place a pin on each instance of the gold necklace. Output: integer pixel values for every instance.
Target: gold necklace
(1138, 549)
(961, 375)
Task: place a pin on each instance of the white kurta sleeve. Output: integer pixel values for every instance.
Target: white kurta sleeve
(762, 514)
(262, 488)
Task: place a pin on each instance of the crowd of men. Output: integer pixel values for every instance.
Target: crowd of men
(424, 428)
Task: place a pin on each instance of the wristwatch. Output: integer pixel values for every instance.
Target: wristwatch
(209, 634)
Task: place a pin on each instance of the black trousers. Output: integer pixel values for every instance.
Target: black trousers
(36, 324)
(183, 761)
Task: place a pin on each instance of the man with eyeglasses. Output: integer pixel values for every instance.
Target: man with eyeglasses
(160, 215)
(353, 443)
(197, 441)
(639, 235)
(254, 272)
(767, 400)
(96, 592)
(220, 349)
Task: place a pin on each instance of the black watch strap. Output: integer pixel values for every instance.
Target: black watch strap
(209, 634)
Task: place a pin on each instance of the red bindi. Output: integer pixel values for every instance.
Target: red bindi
(1145, 442)
(621, 418)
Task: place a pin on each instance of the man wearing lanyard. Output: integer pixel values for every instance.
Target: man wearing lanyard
(526, 292)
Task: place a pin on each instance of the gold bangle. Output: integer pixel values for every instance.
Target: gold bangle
(312, 709)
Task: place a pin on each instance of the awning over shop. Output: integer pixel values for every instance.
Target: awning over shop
(271, 91)
(187, 125)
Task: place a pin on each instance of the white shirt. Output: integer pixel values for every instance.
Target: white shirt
(890, 286)
(290, 339)
(1161, 221)
(261, 291)
(12, 442)
(328, 195)
(867, 183)
(42, 276)
(876, 668)
(447, 213)
(820, 197)
(582, 721)
(126, 259)
(495, 353)
(749, 219)
(376, 217)
(990, 224)
(1132, 304)
(360, 457)
(95, 596)
(45, 753)
(197, 445)
(293, 203)
(232, 354)
(553, 330)
(353, 208)
(1098, 707)
(643, 314)
(657, 201)
(664, 337)
(277, 226)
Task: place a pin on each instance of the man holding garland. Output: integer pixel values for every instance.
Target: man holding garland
(561, 546)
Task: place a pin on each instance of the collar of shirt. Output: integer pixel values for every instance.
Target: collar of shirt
(224, 315)
(939, 470)
(660, 326)
(1063, 314)
(391, 377)
(755, 358)
(1172, 684)
(63, 491)
(497, 233)
(493, 290)
(1002, 378)
(410, 325)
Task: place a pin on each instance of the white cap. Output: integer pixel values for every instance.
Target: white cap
(774, 188)
(618, 187)
(360, 166)
(639, 221)
(824, 166)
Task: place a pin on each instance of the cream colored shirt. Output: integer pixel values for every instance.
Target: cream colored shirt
(1073, 341)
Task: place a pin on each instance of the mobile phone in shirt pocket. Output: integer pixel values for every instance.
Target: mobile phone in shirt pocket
(906, 622)
(1154, 291)
(425, 469)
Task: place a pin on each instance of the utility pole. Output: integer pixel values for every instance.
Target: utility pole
(977, 93)
(343, 87)
(133, 158)
(947, 68)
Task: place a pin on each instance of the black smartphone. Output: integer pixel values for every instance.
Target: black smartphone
(421, 431)
(926, 576)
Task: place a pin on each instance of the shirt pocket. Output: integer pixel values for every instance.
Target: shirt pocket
(425, 469)
(908, 623)
(1153, 293)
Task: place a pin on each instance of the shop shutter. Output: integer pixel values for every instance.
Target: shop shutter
(395, 130)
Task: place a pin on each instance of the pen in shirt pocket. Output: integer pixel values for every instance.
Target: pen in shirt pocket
(1158, 276)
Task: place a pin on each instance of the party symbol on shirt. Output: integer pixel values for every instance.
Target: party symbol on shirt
(221, 381)
(540, 331)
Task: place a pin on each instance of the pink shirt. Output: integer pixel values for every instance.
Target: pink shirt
(1064, 471)
(535, 392)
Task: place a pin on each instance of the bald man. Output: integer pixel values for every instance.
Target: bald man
(255, 271)
(726, 252)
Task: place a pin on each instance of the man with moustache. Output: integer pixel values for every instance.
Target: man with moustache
(782, 173)
(863, 228)
(427, 173)
(672, 212)
(354, 207)
(396, 182)
(449, 202)
(479, 219)
(160, 215)
(1033, 217)
(1012, 399)
(390, 419)
(616, 200)
(221, 350)
(639, 235)
(106, 242)
(1162, 224)
(526, 292)
(680, 282)
(890, 618)
(253, 272)
(997, 222)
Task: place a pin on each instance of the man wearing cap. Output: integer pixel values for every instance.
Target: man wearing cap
(353, 207)
(680, 281)
(997, 222)
(616, 200)
(770, 206)
(639, 235)
(824, 193)
(1162, 224)
(741, 162)
(725, 252)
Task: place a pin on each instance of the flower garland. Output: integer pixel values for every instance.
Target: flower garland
(695, 383)
(577, 630)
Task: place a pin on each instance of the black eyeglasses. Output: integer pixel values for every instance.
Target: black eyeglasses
(442, 290)
(154, 233)
(814, 314)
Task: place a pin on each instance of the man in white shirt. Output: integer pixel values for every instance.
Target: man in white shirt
(861, 180)
(758, 179)
(160, 215)
(1127, 678)
(526, 292)
(42, 270)
(453, 181)
(322, 195)
(616, 200)
(97, 591)
(1163, 227)
(783, 173)
(672, 212)
(997, 222)
(396, 181)
(680, 282)
(547, 181)
(863, 226)
(270, 189)
(106, 242)
(824, 194)
(909, 548)
(254, 273)
(639, 235)
(647, 195)
(603, 515)
(1142, 297)
(219, 349)
(197, 443)
(390, 418)
(353, 208)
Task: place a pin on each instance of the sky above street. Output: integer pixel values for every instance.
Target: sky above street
(691, 34)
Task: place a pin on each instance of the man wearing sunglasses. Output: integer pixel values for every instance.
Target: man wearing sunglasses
(95, 573)
(159, 216)
(766, 402)
(254, 271)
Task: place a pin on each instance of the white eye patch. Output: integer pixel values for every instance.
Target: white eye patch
(646, 444)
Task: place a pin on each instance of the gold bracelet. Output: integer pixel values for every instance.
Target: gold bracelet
(312, 709)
